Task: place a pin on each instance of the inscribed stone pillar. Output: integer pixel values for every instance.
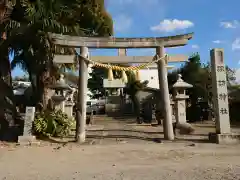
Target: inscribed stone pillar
(220, 94)
(27, 137)
(82, 95)
(163, 85)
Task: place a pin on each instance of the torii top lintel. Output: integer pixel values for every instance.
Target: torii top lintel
(112, 42)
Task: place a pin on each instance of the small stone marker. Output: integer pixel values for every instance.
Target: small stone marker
(27, 137)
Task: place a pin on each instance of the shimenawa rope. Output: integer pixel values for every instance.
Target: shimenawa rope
(124, 69)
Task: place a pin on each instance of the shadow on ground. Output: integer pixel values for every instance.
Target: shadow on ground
(157, 140)
(203, 125)
(112, 131)
(118, 138)
(193, 140)
(125, 130)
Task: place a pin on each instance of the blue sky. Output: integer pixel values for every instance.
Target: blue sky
(215, 23)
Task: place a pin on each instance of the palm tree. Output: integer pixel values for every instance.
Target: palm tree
(33, 50)
(35, 54)
(17, 28)
(26, 28)
(7, 108)
(5, 11)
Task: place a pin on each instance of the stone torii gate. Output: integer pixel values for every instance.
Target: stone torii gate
(123, 43)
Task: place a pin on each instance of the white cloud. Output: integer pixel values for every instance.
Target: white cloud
(236, 44)
(195, 46)
(218, 42)
(230, 24)
(168, 25)
(122, 23)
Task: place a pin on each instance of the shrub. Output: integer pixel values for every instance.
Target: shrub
(52, 123)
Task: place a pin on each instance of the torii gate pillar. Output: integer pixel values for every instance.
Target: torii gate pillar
(82, 91)
(163, 86)
(112, 42)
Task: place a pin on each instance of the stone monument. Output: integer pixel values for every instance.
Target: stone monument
(220, 100)
(27, 138)
(180, 99)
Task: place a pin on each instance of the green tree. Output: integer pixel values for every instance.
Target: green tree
(231, 75)
(95, 82)
(32, 49)
(132, 87)
(193, 73)
(27, 27)
(7, 108)
(79, 18)
(199, 75)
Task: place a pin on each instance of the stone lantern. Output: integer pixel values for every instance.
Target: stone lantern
(172, 103)
(69, 102)
(60, 88)
(179, 97)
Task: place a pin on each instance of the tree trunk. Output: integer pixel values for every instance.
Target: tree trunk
(41, 89)
(33, 97)
(8, 112)
(45, 97)
(48, 80)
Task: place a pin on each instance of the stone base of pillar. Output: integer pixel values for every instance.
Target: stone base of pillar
(28, 140)
(229, 138)
(82, 138)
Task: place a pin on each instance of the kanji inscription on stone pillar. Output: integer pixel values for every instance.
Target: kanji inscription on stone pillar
(220, 94)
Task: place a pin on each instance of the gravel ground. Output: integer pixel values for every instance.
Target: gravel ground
(123, 151)
(130, 160)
